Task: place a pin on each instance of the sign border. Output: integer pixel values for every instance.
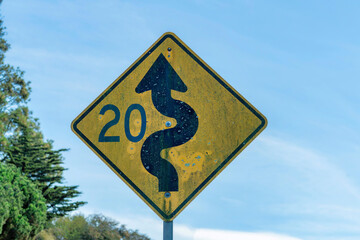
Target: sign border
(221, 167)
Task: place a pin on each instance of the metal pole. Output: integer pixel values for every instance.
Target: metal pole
(168, 230)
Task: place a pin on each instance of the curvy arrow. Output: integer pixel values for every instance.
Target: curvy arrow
(160, 80)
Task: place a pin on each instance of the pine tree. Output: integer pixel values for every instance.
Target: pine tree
(43, 165)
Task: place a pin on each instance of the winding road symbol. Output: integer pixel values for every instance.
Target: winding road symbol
(160, 80)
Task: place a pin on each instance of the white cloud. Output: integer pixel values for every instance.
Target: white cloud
(318, 172)
(310, 188)
(210, 234)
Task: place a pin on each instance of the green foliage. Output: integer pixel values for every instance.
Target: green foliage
(101, 227)
(94, 227)
(71, 228)
(22, 206)
(128, 234)
(43, 165)
(45, 235)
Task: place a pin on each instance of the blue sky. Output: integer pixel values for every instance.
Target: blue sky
(296, 61)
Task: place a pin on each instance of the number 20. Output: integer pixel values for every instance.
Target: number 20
(103, 138)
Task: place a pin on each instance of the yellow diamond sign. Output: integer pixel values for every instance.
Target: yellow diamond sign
(168, 126)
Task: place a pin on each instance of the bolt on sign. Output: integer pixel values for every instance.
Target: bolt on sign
(168, 125)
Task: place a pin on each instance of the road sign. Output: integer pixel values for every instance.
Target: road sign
(168, 126)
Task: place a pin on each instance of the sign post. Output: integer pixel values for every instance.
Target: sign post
(168, 230)
(168, 126)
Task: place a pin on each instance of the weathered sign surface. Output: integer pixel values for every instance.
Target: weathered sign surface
(168, 125)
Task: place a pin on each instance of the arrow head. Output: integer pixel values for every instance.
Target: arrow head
(161, 76)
